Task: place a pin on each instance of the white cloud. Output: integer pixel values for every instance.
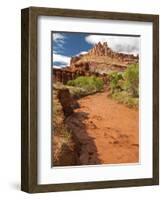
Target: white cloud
(82, 53)
(59, 39)
(57, 36)
(62, 59)
(58, 67)
(121, 44)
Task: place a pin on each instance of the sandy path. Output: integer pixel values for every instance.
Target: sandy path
(107, 131)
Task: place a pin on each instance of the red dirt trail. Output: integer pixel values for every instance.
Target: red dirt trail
(107, 131)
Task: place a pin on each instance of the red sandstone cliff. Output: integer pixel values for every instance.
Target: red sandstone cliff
(98, 61)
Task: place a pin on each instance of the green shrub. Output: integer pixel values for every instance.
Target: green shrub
(125, 98)
(89, 84)
(71, 83)
(124, 86)
(115, 81)
(131, 80)
(78, 92)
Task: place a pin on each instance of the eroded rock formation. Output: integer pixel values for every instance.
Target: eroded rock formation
(98, 61)
(101, 50)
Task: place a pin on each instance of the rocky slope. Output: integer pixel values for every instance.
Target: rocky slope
(65, 147)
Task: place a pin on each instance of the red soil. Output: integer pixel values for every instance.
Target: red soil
(108, 132)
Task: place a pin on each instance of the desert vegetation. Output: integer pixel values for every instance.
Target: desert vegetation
(124, 86)
(81, 86)
(90, 84)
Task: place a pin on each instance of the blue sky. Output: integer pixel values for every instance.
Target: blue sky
(65, 45)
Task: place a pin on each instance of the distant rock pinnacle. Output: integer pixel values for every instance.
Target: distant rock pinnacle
(100, 50)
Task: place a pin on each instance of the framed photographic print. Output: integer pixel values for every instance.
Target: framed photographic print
(90, 99)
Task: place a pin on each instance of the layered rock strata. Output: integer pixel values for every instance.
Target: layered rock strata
(98, 61)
